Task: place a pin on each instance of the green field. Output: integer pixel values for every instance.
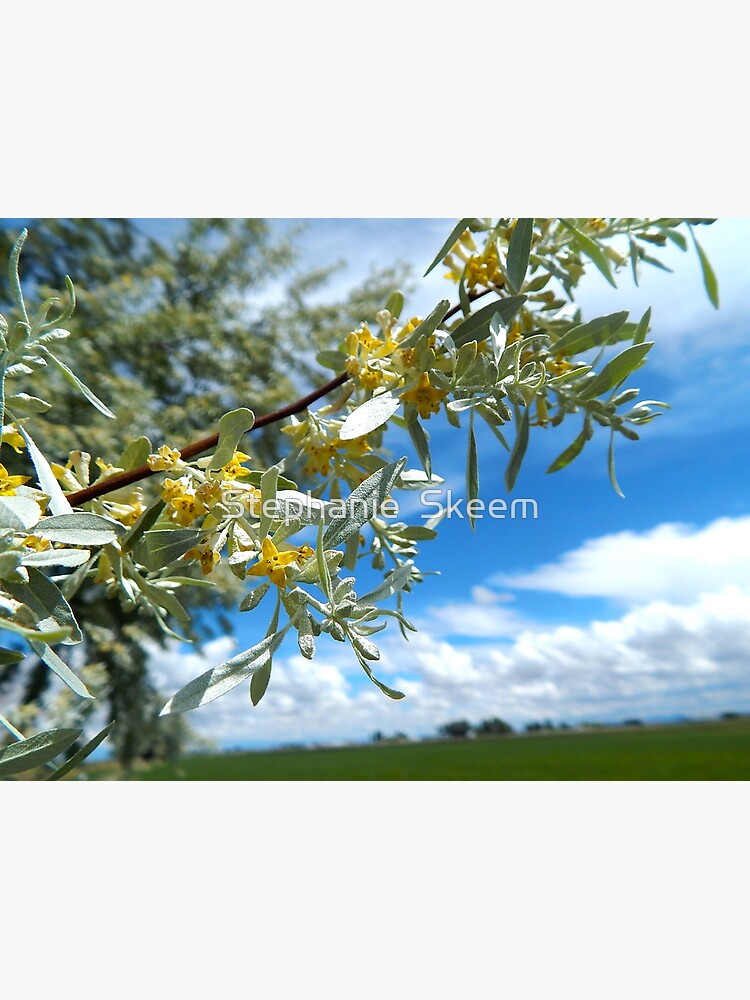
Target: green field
(713, 751)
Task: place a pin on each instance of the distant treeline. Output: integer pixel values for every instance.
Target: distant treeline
(462, 729)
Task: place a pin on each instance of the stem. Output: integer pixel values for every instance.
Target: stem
(197, 447)
(123, 479)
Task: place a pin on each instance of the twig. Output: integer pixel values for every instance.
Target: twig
(122, 479)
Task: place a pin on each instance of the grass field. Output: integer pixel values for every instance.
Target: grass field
(712, 751)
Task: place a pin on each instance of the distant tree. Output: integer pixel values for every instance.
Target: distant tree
(456, 730)
(632, 722)
(494, 727)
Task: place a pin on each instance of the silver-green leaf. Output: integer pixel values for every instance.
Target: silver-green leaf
(373, 413)
(232, 426)
(36, 750)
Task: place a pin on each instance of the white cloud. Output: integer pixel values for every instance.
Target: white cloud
(483, 619)
(673, 562)
(659, 659)
(483, 595)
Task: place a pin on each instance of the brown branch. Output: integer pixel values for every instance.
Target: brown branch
(123, 479)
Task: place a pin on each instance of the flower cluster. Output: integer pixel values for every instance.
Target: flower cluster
(381, 362)
(478, 269)
(320, 451)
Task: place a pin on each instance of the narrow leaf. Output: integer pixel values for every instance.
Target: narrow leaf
(259, 681)
(518, 252)
(163, 547)
(396, 695)
(47, 604)
(519, 449)
(592, 334)
(80, 528)
(421, 442)
(611, 465)
(458, 230)
(253, 599)
(477, 326)
(427, 327)
(373, 413)
(616, 371)
(363, 503)
(472, 471)
(395, 581)
(592, 250)
(572, 451)
(8, 656)
(83, 389)
(19, 513)
(36, 750)
(218, 680)
(57, 557)
(642, 329)
(709, 277)
(81, 754)
(58, 502)
(61, 668)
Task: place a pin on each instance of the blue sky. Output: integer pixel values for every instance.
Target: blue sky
(601, 608)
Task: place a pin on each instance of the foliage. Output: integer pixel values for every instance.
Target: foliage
(524, 358)
(164, 332)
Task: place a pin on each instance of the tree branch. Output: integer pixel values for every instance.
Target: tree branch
(122, 479)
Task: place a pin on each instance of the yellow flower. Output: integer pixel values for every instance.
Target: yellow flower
(304, 552)
(166, 458)
(558, 367)
(273, 563)
(356, 447)
(127, 513)
(318, 460)
(37, 544)
(173, 488)
(408, 357)
(370, 378)
(233, 469)
(207, 556)
(252, 500)
(426, 399)
(367, 340)
(187, 509)
(209, 493)
(106, 469)
(8, 483)
(13, 438)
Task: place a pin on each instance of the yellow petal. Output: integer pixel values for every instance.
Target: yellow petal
(268, 548)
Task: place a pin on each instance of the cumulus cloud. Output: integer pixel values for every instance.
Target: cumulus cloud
(658, 659)
(673, 562)
(482, 619)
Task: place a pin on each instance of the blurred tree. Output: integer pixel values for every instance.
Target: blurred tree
(494, 727)
(456, 730)
(171, 332)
